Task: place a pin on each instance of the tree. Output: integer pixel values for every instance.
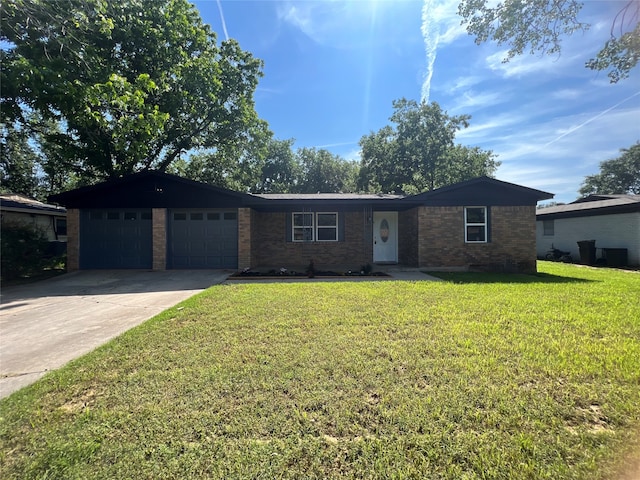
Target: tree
(419, 153)
(280, 170)
(617, 176)
(18, 162)
(539, 25)
(135, 82)
(323, 172)
(236, 165)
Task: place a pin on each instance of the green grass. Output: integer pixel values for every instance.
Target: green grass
(479, 377)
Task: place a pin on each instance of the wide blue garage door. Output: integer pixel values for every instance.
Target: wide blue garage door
(203, 239)
(116, 239)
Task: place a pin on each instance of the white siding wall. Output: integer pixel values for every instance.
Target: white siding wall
(42, 222)
(609, 231)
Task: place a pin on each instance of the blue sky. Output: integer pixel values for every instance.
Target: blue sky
(333, 68)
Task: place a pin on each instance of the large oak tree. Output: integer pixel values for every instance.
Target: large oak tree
(132, 83)
(418, 153)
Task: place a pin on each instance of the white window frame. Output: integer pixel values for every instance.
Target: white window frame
(304, 227)
(333, 227)
(314, 227)
(468, 224)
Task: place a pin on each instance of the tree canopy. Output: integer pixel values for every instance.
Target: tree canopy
(18, 162)
(323, 172)
(538, 26)
(133, 84)
(418, 153)
(617, 176)
(276, 168)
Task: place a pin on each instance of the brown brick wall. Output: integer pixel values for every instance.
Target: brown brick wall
(245, 238)
(428, 237)
(512, 246)
(271, 249)
(408, 237)
(159, 238)
(73, 239)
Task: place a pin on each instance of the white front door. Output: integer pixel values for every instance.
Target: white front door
(385, 237)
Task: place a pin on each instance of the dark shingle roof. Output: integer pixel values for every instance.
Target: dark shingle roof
(327, 196)
(12, 202)
(594, 205)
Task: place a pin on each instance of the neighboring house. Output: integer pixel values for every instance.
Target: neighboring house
(154, 220)
(50, 219)
(613, 221)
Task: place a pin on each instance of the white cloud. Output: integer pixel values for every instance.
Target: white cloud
(353, 155)
(299, 16)
(345, 24)
(445, 14)
(492, 129)
(528, 64)
(567, 93)
(462, 83)
(469, 100)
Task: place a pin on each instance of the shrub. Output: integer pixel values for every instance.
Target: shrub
(23, 250)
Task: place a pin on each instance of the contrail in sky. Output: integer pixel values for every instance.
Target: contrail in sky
(571, 130)
(431, 35)
(224, 24)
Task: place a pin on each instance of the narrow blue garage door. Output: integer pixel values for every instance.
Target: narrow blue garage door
(115, 239)
(203, 239)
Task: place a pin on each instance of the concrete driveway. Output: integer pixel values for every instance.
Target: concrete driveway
(46, 324)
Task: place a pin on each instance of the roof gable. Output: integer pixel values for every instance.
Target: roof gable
(480, 191)
(151, 189)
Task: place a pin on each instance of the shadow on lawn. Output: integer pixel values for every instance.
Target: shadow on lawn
(473, 277)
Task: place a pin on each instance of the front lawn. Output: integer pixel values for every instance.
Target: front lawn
(480, 376)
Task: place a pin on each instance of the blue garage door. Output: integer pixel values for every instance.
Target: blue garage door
(203, 239)
(116, 239)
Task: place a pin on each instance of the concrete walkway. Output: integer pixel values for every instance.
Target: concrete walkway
(46, 324)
